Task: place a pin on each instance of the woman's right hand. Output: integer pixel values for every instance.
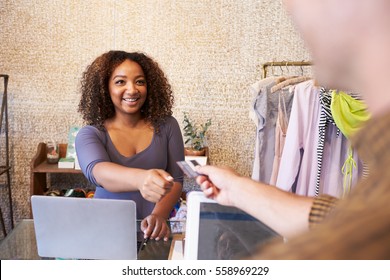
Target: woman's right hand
(156, 184)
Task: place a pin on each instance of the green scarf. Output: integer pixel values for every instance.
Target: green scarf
(348, 113)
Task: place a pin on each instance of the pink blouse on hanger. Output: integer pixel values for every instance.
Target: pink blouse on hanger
(280, 136)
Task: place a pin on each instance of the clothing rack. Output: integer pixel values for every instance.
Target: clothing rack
(282, 64)
(4, 164)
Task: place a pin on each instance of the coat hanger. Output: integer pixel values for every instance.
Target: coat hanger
(288, 82)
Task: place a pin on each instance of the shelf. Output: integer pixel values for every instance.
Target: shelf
(45, 167)
(40, 169)
(40, 165)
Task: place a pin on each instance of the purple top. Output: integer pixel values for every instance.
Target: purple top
(94, 145)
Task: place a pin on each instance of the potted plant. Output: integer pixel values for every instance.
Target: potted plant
(195, 136)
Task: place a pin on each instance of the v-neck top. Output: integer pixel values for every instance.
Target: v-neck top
(94, 146)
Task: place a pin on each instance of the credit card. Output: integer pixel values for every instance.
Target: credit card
(188, 168)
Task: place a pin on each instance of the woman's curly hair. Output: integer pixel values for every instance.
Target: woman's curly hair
(96, 105)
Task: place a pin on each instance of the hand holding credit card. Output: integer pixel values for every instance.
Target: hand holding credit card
(188, 168)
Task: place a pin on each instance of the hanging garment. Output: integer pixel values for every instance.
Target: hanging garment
(282, 120)
(256, 89)
(325, 119)
(259, 109)
(280, 136)
(349, 114)
(301, 147)
(265, 108)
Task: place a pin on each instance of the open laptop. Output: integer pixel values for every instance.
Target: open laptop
(84, 228)
(215, 232)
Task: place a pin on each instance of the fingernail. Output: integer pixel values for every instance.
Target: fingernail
(157, 238)
(170, 178)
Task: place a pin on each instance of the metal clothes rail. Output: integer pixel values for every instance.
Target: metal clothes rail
(283, 64)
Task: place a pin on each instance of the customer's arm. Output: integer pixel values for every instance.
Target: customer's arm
(286, 213)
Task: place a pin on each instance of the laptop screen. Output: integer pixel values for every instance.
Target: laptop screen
(216, 232)
(228, 233)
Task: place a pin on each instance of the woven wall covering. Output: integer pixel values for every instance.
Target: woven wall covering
(211, 51)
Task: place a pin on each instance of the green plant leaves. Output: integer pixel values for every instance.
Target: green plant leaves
(195, 135)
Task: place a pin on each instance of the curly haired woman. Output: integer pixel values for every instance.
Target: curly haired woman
(131, 142)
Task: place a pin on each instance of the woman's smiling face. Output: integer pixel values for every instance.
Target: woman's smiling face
(128, 88)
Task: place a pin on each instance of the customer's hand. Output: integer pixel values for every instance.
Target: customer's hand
(218, 183)
(157, 183)
(155, 227)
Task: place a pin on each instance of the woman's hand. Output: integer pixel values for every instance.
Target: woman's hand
(155, 227)
(156, 184)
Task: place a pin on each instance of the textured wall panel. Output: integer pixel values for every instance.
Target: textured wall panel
(211, 51)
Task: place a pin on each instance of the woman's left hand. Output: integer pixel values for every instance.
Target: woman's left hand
(155, 227)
